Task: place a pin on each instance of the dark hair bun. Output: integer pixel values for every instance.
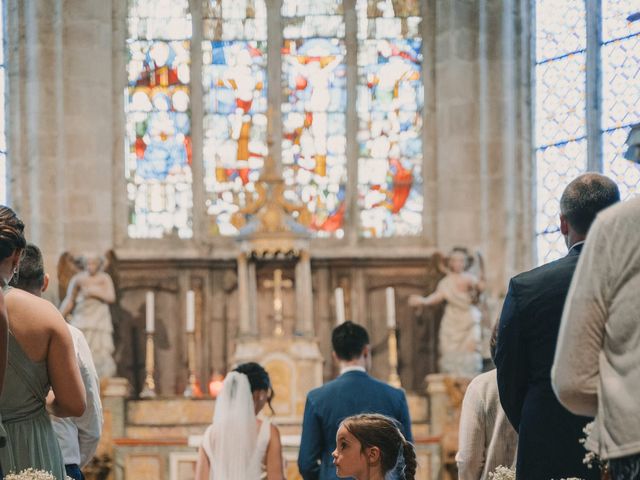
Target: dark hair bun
(11, 233)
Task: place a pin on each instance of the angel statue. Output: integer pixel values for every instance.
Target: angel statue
(460, 331)
(89, 294)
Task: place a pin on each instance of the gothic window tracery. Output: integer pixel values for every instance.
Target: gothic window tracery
(231, 39)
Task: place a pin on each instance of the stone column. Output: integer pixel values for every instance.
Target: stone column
(483, 132)
(252, 299)
(304, 296)
(60, 129)
(243, 296)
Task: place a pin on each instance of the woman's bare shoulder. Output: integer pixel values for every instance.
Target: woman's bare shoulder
(27, 305)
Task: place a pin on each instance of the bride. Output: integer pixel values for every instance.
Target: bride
(238, 445)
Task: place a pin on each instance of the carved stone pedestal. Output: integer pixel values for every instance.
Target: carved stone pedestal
(294, 365)
(445, 401)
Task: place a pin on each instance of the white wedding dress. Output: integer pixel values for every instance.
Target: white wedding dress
(234, 445)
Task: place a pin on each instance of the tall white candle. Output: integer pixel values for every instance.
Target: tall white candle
(150, 314)
(339, 297)
(391, 307)
(191, 311)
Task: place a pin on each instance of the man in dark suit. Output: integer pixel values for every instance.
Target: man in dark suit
(548, 441)
(353, 392)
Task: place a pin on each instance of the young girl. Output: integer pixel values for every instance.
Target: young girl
(371, 447)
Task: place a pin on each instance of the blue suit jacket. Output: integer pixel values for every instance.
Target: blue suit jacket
(548, 443)
(351, 393)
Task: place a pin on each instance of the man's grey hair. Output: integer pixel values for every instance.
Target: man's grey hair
(584, 197)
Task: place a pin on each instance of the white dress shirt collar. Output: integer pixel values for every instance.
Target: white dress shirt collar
(576, 244)
(354, 368)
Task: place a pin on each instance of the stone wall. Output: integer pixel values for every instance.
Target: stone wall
(60, 123)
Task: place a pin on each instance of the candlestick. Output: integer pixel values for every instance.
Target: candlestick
(191, 311)
(192, 389)
(391, 307)
(394, 378)
(150, 321)
(339, 298)
(149, 390)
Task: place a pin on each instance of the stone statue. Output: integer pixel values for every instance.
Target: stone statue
(89, 294)
(460, 333)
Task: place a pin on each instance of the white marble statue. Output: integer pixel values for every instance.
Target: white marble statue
(89, 295)
(459, 340)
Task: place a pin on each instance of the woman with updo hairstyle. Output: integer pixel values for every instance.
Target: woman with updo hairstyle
(238, 445)
(42, 373)
(371, 447)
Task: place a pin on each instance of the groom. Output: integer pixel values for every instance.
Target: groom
(353, 392)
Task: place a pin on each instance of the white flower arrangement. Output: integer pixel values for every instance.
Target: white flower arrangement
(502, 473)
(32, 474)
(590, 458)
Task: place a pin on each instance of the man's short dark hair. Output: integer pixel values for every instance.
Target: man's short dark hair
(30, 276)
(348, 340)
(584, 197)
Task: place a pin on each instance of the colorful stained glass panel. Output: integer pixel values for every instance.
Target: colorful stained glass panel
(388, 19)
(159, 20)
(234, 20)
(234, 76)
(158, 123)
(390, 100)
(313, 113)
(389, 104)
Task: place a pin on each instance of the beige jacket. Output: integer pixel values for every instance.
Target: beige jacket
(596, 370)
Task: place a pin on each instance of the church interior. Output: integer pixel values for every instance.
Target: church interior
(254, 173)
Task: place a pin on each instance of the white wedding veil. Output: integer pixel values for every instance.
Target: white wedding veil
(234, 433)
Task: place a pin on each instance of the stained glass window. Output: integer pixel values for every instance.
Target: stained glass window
(563, 105)
(561, 148)
(390, 101)
(158, 123)
(620, 53)
(3, 137)
(234, 75)
(313, 111)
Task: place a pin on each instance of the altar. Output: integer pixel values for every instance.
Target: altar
(158, 439)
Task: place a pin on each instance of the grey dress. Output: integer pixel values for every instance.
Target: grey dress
(31, 441)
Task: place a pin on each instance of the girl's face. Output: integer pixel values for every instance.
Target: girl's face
(348, 457)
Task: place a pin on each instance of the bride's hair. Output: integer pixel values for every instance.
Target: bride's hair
(258, 379)
(397, 455)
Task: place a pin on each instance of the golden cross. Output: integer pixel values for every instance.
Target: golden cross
(277, 284)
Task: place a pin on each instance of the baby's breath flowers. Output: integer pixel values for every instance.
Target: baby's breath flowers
(31, 474)
(503, 473)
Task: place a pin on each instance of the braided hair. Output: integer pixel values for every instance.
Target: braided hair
(374, 430)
